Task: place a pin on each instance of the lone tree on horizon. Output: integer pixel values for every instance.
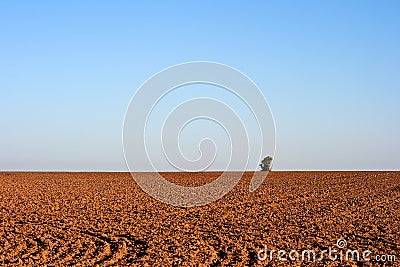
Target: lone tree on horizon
(266, 163)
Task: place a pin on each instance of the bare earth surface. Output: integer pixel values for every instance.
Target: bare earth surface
(101, 219)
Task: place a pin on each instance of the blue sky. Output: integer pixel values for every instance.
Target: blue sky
(329, 69)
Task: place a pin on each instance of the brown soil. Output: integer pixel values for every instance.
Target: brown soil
(89, 219)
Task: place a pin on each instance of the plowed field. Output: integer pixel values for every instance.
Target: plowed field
(89, 219)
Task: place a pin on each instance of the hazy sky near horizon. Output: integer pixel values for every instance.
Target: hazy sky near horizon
(329, 70)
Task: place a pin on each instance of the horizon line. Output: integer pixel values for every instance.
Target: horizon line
(165, 171)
